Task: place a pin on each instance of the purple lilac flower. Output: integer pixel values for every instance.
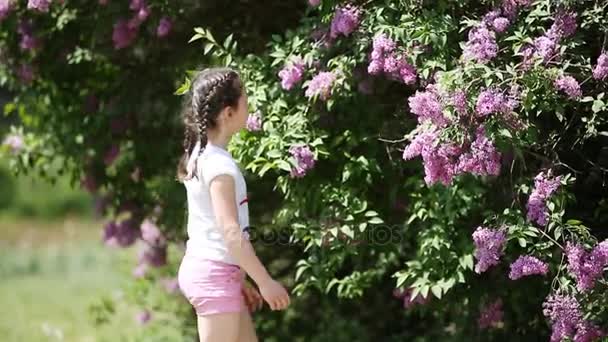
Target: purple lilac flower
(569, 85)
(601, 69)
(500, 24)
(406, 297)
(563, 26)
(586, 267)
(482, 158)
(384, 59)
(346, 20)
(151, 234)
(292, 73)
(14, 142)
(153, 255)
(123, 35)
(164, 27)
(111, 155)
(588, 332)
(25, 73)
(321, 85)
(121, 234)
(564, 313)
(439, 159)
(481, 45)
(459, 101)
(143, 317)
(546, 47)
(135, 5)
(527, 265)
(491, 315)
(254, 122)
(511, 7)
(492, 100)
(140, 271)
(427, 106)
(489, 247)
(39, 5)
(544, 186)
(305, 160)
(6, 6)
(28, 40)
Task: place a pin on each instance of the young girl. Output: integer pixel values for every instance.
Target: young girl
(219, 254)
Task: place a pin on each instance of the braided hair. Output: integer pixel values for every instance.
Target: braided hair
(211, 91)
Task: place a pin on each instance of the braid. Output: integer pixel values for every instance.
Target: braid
(202, 120)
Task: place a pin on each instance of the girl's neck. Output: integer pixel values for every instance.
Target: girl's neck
(217, 139)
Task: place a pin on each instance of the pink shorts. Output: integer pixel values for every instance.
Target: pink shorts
(211, 286)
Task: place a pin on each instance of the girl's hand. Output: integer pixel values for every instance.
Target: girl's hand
(253, 299)
(275, 294)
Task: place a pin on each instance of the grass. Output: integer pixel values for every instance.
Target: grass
(51, 272)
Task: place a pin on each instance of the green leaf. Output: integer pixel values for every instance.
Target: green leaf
(598, 106)
(274, 154)
(436, 289)
(283, 165)
(184, 88)
(371, 213)
(375, 220)
(348, 231)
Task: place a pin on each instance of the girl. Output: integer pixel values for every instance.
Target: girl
(219, 254)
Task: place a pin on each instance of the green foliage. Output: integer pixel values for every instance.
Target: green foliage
(362, 222)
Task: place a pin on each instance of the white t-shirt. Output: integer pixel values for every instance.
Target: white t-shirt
(205, 238)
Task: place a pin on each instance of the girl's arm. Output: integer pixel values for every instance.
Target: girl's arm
(222, 192)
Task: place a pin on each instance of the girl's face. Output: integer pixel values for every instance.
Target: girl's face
(236, 117)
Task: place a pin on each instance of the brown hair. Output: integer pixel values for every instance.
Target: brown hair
(211, 91)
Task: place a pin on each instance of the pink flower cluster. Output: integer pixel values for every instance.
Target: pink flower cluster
(600, 71)
(489, 247)
(544, 186)
(346, 20)
(39, 5)
(444, 161)
(386, 60)
(154, 250)
(28, 40)
(292, 73)
(305, 160)
(125, 32)
(321, 85)
(164, 27)
(511, 7)
(254, 122)
(427, 106)
(482, 157)
(121, 234)
(493, 100)
(569, 85)
(14, 142)
(6, 6)
(527, 265)
(491, 315)
(566, 317)
(586, 267)
(481, 45)
(546, 46)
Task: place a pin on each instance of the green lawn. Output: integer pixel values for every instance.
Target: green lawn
(50, 273)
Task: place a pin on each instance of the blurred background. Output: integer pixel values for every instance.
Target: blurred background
(53, 266)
